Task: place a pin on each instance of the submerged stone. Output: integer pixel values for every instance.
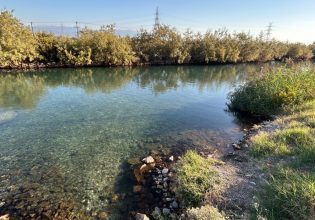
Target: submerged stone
(134, 161)
(5, 217)
(166, 211)
(174, 205)
(148, 160)
(137, 188)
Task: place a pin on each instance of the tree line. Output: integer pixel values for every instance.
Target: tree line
(162, 45)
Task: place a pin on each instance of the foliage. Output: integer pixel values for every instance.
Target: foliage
(47, 47)
(70, 51)
(299, 51)
(196, 176)
(17, 44)
(107, 48)
(289, 194)
(162, 45)
(273, 92)
(204, 213)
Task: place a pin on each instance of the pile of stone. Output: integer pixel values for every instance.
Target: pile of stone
(154, 176)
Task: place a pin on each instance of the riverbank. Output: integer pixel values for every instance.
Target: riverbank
(267, 174)
(251, 185)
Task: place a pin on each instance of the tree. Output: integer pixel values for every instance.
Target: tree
(107, 48)
(17, 44)
(164, 45)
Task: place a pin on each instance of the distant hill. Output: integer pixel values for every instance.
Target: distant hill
(72, 31)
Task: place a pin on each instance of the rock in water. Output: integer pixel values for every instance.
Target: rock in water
(174, 205)
(140, 216)
(156, 213)
(171, 159)
(5, 217)
(148, 160)
(7, 116)
(164, 171)
(236, 146)
(103, 216)
(134, 161)
(166, 211)
(137, 188)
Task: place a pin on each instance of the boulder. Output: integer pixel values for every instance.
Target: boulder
(140, 216)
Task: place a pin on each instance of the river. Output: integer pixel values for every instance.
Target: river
(66, 134)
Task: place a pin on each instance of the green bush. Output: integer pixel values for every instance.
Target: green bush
(17, 44)
(289, 194)
(162, 45)
(107, 48)
(196, 176)
(273, 92)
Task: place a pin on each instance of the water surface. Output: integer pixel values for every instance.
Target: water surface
(65, 134)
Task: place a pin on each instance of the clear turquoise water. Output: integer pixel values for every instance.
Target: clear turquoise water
(71, 131)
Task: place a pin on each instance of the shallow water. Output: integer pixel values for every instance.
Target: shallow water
(74, 129)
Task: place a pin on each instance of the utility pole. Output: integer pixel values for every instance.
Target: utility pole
(77, 27)
(269, 30)
(32, 28)
(157, 18)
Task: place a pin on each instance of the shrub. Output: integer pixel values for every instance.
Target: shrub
(17, 44)
(107, 48)
(206, 212)
(273, 92)
(196, 176)
(289, 194)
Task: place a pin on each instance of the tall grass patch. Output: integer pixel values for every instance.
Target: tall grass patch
(274, 92)
(289, 194)
(196, 176)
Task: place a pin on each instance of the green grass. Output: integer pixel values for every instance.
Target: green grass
(290, 190)
(295, 138)
(289, 194)
(274, 92)
(196, 176)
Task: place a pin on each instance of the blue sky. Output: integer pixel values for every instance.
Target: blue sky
(292, 20)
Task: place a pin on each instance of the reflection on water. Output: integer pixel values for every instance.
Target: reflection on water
(73, 130)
